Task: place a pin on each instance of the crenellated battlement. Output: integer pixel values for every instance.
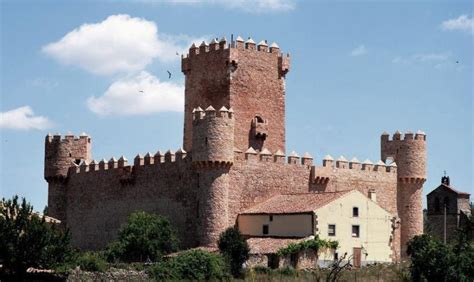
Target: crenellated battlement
(265, 156)
(158, 159)
(240, 44)
(217, 47)
(355, 164)
(66, 138)
(199, 114)
(397, 136)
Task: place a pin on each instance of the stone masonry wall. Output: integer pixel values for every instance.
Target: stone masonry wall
(99, 201)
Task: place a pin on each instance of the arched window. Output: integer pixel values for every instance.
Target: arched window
(258, 119)
(437, 207)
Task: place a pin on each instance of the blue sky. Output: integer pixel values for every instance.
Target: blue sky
(358, 68)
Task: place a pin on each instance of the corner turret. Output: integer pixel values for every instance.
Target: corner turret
(409, 153)
(60, 155)
(212, 156)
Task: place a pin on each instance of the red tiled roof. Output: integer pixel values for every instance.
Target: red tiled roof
(270, 245)
(294, 203)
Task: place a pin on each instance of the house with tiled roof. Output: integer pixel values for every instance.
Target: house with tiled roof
(363, 229)
(448, 209)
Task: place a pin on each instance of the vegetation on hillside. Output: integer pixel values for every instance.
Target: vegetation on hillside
(433, 260)
(145, 237)
(27, 240)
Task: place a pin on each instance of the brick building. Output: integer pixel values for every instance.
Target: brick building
(232, 158)
(448, 209)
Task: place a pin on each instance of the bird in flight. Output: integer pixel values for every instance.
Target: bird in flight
(140, 91)
(457, 62)
(169, 74)
(177, 54)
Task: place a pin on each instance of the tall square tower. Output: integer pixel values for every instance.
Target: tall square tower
(244, 76)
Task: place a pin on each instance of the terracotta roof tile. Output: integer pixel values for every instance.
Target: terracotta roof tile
(294, 203)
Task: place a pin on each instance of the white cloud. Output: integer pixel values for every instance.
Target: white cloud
(23, 118)
(139, 94)
(252, 6)
(431, 57)
(359, 51)
(119, 44)
(463, 23)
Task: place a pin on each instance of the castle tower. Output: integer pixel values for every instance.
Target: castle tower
(212, 156)
(409, 154)
(60, 155)
(246, 76)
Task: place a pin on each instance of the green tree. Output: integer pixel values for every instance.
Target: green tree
(28, 240)
(430, 259)
(194, 265)
(234, 248)
(144, 237)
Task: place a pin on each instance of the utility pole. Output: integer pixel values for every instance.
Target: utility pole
(445, 223)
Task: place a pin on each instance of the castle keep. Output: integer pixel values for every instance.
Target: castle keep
(233, 158)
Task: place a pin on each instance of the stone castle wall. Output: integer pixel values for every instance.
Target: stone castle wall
(99, 201)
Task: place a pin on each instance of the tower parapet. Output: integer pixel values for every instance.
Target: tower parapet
(409, 153)
(213, 136)
(62, 152)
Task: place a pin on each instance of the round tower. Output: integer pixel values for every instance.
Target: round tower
(60, 155)
(409, 153)
(212, 156)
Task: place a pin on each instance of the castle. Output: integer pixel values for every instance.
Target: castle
(232, 158)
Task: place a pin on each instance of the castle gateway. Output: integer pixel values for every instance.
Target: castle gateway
(232, 158)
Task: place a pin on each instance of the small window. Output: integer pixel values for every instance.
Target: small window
(355, 212)
(336, 256)
(265, 229)
(205, 141)
(271, 217)
(331, 229)
(355, 231)
(77, 161)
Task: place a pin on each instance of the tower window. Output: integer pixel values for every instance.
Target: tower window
(205, 141)
(259, 119)
(265, 229)
(77, 161)
(271, 217)
(355, 231)
(355, 212)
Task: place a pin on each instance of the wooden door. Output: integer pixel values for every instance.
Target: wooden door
(356, 256)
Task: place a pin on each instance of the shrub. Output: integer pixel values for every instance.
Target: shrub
(287, 271)
(191, 265)
(28, 240)
(235, 249)
(315, 244)
(262, 270)
(144, 237)
(91, 261)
